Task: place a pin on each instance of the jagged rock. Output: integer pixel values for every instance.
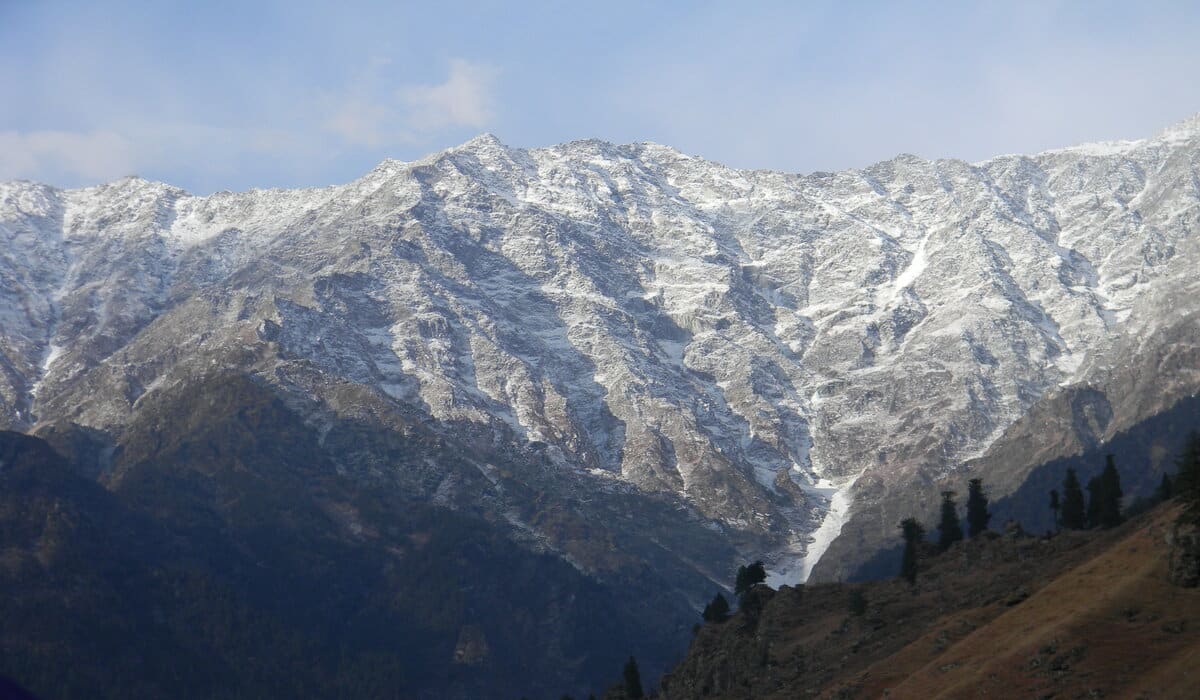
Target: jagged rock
(636, 315)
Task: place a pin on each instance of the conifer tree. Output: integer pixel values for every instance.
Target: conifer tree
(1095, 495)
(1109, 510)
(633, 680)
(977, 508)
(913, 533)
(1055, 505)
(1073, 509)
(747, 576)
(717, 610)
(949, 528)
(1187, 479)
(1165, 488)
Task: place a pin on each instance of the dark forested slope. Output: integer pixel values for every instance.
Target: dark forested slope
(222, 554)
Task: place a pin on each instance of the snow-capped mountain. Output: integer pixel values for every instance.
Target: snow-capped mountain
(784, 352)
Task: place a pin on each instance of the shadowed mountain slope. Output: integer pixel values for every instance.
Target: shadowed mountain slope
(225, 556)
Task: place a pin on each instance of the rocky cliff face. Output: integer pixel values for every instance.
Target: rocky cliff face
(770, 355)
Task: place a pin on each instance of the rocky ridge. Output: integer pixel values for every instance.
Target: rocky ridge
(778, 355)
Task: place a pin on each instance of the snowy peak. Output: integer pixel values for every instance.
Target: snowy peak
(1184, 130)
(1174, 136)
(483, 142)
(783, 351)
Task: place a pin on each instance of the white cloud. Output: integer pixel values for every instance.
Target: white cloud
(94, 155)
(359, 122)
(465, 99)
(368, 115)
(212, 155)
(372, 112)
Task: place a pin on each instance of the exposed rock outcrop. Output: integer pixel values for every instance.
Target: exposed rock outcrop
(780, 354)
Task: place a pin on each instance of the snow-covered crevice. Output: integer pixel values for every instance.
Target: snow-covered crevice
(788, 569)
(920, 261)
(52, 355)
(796, 564)
(840, 500)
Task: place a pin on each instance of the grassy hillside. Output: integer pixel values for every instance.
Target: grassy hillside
(1110, 626)
(1076, 615)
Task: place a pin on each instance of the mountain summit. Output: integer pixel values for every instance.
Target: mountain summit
(784, 360)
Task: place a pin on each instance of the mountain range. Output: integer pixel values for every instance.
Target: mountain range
(638, 363)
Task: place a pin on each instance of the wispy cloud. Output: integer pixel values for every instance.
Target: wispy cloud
(370, 116)
(93, 92)
(92, 155)
(214, 154)
(465, 99)
(378, 114)
(359, 122)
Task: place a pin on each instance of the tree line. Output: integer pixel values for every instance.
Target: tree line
(949, 526)
(1101, 507)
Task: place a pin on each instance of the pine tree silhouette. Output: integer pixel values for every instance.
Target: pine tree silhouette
(1073, 508)
(747, 576)
(1095, 495)
(949, 529)
(1165, 488)
(977, 508)
(913, 533)
(633, 680)
(1109, 510)
(1187, 479)
(717, 610)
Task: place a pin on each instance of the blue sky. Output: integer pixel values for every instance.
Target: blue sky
(230, 95)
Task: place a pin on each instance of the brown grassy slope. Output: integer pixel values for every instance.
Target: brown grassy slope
(997, 617)
(1109, 627)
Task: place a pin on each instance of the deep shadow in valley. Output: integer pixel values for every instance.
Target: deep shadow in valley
(226, 554)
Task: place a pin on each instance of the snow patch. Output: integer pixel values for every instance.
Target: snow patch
(1097, 149)
(831, 525)
(837, 500)
(920, 261)
(52, 355)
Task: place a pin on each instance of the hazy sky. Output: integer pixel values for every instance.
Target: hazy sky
(210, 95)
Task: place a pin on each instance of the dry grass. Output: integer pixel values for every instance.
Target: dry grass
(1079, 615)
(1110, 627)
